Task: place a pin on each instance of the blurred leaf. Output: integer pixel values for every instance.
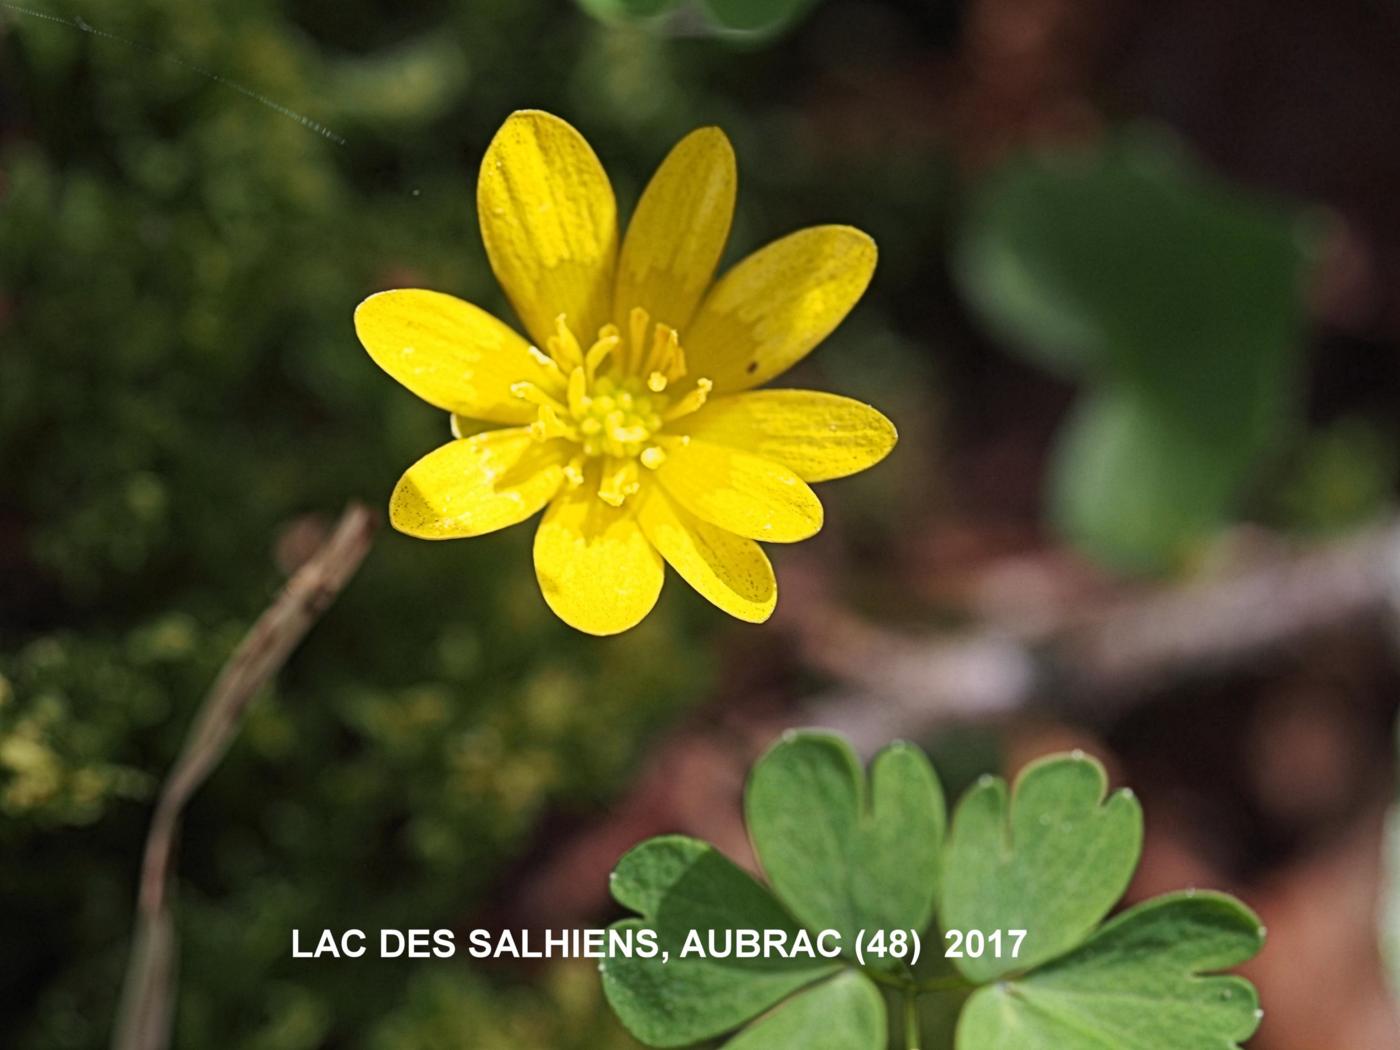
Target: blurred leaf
(1138, 982)
(1135, 487)
(1050, 859)
(1344, 476)
(1131, 270)
(874, 866)
(615, 10)
(1127, 261)
(757, 16)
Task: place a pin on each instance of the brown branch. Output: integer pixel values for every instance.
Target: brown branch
(143, 1022)
(1100, 662)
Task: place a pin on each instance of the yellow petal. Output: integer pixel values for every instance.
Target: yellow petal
(820, 436)
(465, 426)
(550, 224)
(596, 569)
(678, 231)
(451, 354)
(741, 492)
(477, 485)
(730, 571)
(765, 314)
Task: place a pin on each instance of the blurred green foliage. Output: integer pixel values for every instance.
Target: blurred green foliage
(1177, 302)
(755, 18)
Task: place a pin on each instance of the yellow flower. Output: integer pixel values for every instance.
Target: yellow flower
(625, 413)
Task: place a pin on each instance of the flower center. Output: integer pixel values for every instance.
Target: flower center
(617, 417)
(613, 400)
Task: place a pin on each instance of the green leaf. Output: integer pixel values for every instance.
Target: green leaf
(1027, 875)
(844, 1013)
(1136, 983)
(757, 16)
(1051, 859)
(1138, 489)
(678, 885)
(838, 855)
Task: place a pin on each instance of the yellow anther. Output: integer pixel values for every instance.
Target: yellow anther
(637, 322)
(578, 392)
(665, 345)
(532, 393)
(563, 347)
(619, 481)
(551, 424)
(653, 456)
(656, 382)
(599, 351)
(678, 364)
(691, 402)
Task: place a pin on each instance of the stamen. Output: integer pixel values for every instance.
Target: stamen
(563, 347)
(691, 402)
(637, 321)
(551, 425)
(545, 361)
(612, 401)
(608, 339)
(677, 369)
(664, 345)
(619, 481)
(578, 392)
(532, 393)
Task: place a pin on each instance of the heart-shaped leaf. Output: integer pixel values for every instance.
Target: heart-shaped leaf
(1051, 860)
(844, 1013)
(840, 855)
(1138, 982)
(681, 886)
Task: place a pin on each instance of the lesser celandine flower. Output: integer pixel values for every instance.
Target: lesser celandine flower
(627, 411)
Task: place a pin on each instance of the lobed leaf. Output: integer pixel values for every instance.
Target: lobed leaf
(1138, 982)
(677, 885)
(1050, 859)
(842, 855)
(849, 852)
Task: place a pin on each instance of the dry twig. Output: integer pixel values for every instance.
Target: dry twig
(1094, 664)
(143, 1022)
